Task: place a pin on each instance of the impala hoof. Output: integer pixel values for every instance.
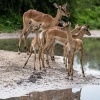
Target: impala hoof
(18, 53)
(70, 78)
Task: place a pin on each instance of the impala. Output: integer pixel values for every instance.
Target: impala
(45, 20)
(50, 39)
(74, 31)
(36, 45)
(72, 46)
(60, 36)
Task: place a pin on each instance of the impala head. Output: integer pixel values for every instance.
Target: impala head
(77, 27)
(66, 26)
(85, 29)
(62, 9)
(35, 28)
(61, 22)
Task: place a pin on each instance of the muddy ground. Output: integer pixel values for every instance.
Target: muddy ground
(16, 80)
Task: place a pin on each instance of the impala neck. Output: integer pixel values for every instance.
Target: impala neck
(57, 18)
(37, 36)
(80, 34)
(74, 31)
(69, 38)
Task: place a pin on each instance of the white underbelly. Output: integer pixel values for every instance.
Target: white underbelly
(58, 42)
(41, 34)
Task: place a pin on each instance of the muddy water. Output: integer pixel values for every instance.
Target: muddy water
(89, 92)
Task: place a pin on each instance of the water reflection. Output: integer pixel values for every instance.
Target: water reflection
(89, 92)
(91, 51)
(66, 94)
(91, 57)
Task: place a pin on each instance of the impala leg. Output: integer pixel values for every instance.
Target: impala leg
(42, 56)
(25, 41)
(69, 67)
(65, 60)
(47, 58)
(65, 56)
(20, 39)
(27, 59)
(46, 47)
(81, 58)
(71, 64)
(52, 52)
(39, 57)
(34, 59)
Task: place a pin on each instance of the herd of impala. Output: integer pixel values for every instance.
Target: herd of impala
(48, 34)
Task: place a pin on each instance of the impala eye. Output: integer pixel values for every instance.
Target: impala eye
(63, 10)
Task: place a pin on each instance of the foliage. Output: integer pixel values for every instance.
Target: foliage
(81, 11)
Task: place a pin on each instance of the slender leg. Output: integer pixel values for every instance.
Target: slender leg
(49, 47)
(34, 59)
(46, 47)
(47, 58)
(64, 54)
(42, 58)
(25, 41)
(39, 57)
(20, 39)
(81, 58)
(25, 32)
(69, 67)
(66, 60)
(27, 59)
(52, 52)
(71, 62)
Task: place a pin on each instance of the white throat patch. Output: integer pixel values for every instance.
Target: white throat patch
(41, 34)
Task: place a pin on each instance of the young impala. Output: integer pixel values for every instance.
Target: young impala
(45, 20)
(72, 46)
(36, 46)
(59, 36)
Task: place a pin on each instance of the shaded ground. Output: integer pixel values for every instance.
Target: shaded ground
(15, 80)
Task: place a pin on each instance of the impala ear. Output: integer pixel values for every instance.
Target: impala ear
(88, 26)
(61, 21)
(39, 26)
(76, 25)
(64, 5)
(30, 22)
(56, 5)
(69, 23)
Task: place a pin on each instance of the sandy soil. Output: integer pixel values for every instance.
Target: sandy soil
(16, 80)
